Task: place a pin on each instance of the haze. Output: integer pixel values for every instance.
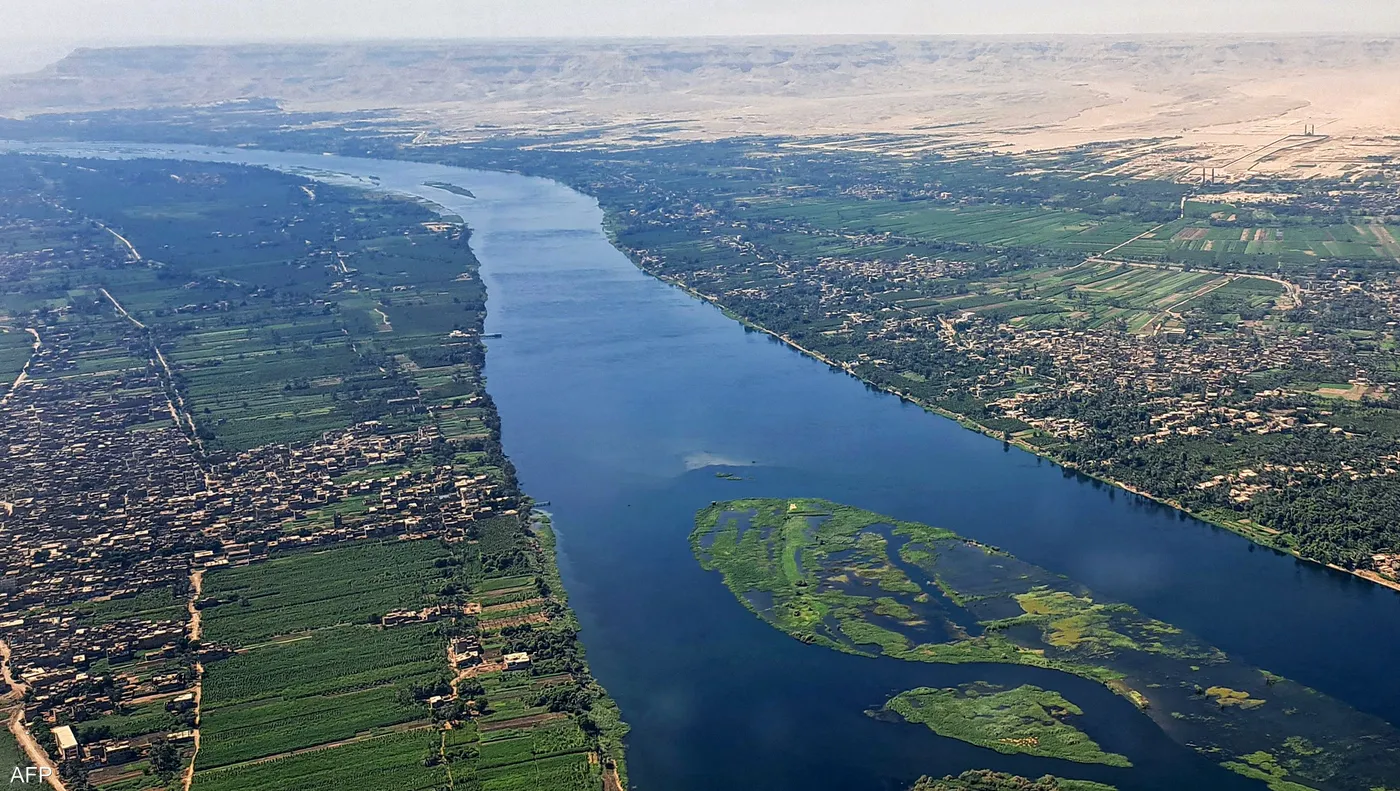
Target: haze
(258, 20)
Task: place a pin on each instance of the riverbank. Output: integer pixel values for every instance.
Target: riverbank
(1254, 533)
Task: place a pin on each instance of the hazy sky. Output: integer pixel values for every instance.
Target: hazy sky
(42, 29)
(322, 19)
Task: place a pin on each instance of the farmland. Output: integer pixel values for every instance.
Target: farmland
(317, 683)
(985, 226)
(868, 585)
(300, 593)
(1096, 295)
(15, 349)
(1256, 238)
(347, 515)
(270, 301)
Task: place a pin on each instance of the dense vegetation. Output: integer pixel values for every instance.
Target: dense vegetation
(1023, 720)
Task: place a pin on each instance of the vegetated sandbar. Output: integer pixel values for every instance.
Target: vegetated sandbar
(867, 584)
(1026, 720)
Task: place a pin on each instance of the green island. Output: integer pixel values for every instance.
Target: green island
(1026, 720)
(452, 188)
(985, 780)
(859, 582)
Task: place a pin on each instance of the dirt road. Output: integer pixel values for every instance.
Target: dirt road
(35, 753)
(24, 372)
(196, 590)
(129, 246)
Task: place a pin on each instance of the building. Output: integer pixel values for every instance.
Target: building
(520, 661)
(67, 743)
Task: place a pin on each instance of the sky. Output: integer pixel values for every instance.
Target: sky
(40, 30)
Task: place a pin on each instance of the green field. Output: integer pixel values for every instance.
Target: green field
(16, 347)
(10, 753)
(1235, 236)
(393, 762)
(318, 687)
(1026, 720)
(271, 304)
(1099, 295)
(313, 671)
(992, 226)
(348, 585)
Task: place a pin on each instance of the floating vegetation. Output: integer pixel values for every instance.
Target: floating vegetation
(986, 780)
(1224, 696)
(1026, 720)
(859, 582)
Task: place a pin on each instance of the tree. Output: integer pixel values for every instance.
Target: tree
(165, 760)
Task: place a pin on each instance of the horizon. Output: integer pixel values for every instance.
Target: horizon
(23, 55)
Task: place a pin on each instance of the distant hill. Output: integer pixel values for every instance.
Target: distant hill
(1028, 92)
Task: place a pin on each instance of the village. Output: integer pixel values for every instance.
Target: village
(110, 516)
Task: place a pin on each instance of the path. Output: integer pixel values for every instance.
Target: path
(129, 246)
(1172, 310)
(181, 415)
(23, 372)
(121, 309)
(196, 590)
(17, 689)
(611, 782)
(33, 751)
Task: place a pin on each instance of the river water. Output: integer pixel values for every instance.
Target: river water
(622, 397)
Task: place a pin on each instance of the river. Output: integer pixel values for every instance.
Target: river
(622, 397)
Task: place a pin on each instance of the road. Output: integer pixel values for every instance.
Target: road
(196, 590)
(35, 753)
(129, 246)
(121, 309)
(178, 411)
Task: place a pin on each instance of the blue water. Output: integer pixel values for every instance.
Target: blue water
(621, 397)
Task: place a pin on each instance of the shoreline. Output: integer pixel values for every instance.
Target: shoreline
(972, 425)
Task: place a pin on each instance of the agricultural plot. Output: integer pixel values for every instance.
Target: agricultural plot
(16, 347)
(286, 315)
(315, 681)
(348, 585)
(311, 671)
(1243, 242)
(992, 226)
(394, 761)
(1092, 295)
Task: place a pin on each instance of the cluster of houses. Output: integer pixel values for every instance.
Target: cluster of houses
(106, 510)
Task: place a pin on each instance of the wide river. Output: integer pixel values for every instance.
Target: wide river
(621, 397)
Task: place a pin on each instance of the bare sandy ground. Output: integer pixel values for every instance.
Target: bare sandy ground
(1161, 106)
